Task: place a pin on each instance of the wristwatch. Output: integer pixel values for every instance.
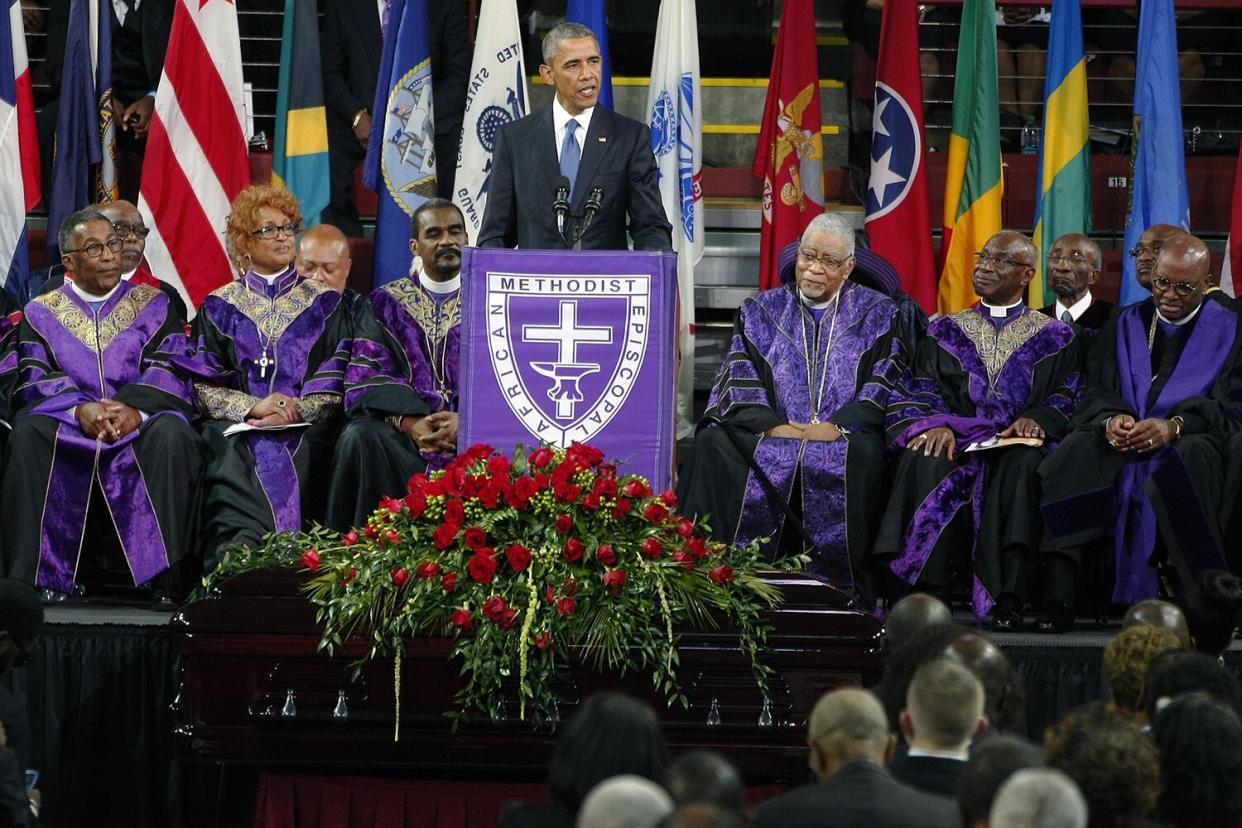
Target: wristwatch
(358, 117)
(1178, 424)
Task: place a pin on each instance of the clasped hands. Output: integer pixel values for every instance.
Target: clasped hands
(825, 432)
(1124, 433)
(274, 410)
(433, 434)
(108, 420)
(941, 440)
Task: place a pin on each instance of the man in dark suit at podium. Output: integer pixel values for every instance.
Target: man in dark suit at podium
(1074, 264)
(606, 159)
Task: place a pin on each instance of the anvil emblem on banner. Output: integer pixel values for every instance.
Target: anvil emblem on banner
(566, 372)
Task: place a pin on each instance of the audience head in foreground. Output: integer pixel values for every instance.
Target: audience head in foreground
(1213, 608)
(1126, 659)
(1174, 672)
(944, 708)
(917, 611)
(706, 776)
(625, 801)
(1200, 744)
(1153, 612)
(1004, 701)
(323, 256)
(702, 815)
(847, 725)
(992, 761)
(1039, 798)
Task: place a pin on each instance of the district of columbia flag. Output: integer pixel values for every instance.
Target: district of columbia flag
(790, 154)
(19, 154)
(973, 182)
(590, 13)
(300, 154)
(1231, 270)
(898, 210)
(401, 157)
(196, 161)
(496, 96)
(1064, 204)
(1158, 167)
(675, 109)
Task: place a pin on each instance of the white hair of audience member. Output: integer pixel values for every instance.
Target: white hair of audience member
(1038, 798)
(626, 801)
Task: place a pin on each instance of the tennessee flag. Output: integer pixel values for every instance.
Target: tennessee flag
(1231, 272)
(973, 184)
(790, 155)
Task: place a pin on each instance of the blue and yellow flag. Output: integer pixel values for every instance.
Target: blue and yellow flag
(300, 156)
(1065, 159)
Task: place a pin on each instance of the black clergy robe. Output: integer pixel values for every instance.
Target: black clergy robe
(784, 365)
(253, 338)
(72, 352)
(975, 375)
(10, 318)
(1091, 491)
(404, 362)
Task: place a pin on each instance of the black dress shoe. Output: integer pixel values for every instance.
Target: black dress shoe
(1004, 618)
(1055, 620)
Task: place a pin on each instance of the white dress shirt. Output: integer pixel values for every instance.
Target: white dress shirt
(1076, 310)
(560, 117)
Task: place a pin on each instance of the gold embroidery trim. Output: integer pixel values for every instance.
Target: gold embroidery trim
(82, 325)
(223, 403)
(996, 345)
(319, 407)
(422, 309)
(271, 317)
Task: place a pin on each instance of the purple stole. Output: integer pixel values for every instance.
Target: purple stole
(84, 355)
(1208, 347)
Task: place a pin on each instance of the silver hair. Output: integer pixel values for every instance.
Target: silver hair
(69, 227)
(561, 32)
(1038, 798)
(835, 225)
(626, 801)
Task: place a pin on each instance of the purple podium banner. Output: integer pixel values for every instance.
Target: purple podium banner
(560, 346)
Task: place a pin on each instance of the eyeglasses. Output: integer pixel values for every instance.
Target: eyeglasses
(1182, 288)
(271, 231)
(125, 230)
(997, 261)
(95, 249)
(1072, 258)
(1140, 250)
(809, 258)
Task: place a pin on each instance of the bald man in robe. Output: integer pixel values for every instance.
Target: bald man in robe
(323, 256)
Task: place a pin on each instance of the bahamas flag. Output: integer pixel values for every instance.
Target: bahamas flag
(78, 147)
(973, 185)
(590, 13)
(300, 156)
(1065, 166)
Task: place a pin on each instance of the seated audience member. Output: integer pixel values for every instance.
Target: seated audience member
(1126, 659)
(850, 744)
(944, 713)
(797, 402)
(403, 381)
(1153, 612)
(1147, 248)
(705, 776)
(921, 646)
(703, 815)
(1144, 462)
(21, 620)
(917, 611)
(1174, 672)
(1200, 744)
(998, 369)
(270, 351)
(1074, 264)
(1213, 608)
(610, 735)
(626, 801)
(1113, 763)
(323, 256)
(97, 422)
(992, 761)
(1004, 700)
(1039, 798)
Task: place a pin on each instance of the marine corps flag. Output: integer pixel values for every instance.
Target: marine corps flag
(790, 155)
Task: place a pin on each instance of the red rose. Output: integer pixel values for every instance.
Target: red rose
(454, 512)
(621, 509)
(685, 559)
(655, 512)
(563, 472)
(494, 607)
(685, 528)
(371, 532)
(518, 557)
(417, 483)
(508, 620)
(524, 487)
(571, 586)
(574, 550)
(482, 568)
(605, 487)
(428, 570)
(721, 574)
(550, 595)
(475, 537)
(636, 488)
(564, 523)
(652, 548)
(696, 547)
(606, 555)
(591, 501)
(614, 579)
(391, 504)
(461, 618)
(479, 451)
(498, 465)
(445, 536)
(541, 458)
(585, 455)
(417, 503)
(393, 536)
(449, 582)
(346, 577)
(350, 538)
(310, 560)
(400, 577)
(489, 496)
(568, 492)
(669, 498)
(566, 607)
(434, 488)
(542, 481)
(454, 478)
(543, 640)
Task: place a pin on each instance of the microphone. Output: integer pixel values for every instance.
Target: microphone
(594, 202)
(561, 206)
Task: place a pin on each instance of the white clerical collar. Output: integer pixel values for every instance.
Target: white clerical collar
(819, 305)
(1077, 309)
(1178, 322)
(432, 286)
(999, 311)
(959, 755)
(560, 117)
(125, 277)
(90, 298)
(271, 279)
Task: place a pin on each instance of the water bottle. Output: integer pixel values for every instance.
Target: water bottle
(1030, 137)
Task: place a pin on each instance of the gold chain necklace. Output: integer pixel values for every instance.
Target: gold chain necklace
(812, 360)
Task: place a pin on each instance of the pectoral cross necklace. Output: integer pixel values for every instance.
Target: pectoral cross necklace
(814, 391)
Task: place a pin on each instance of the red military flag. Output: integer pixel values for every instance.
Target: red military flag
(898, 212)
(790, 155)
(1231, 272)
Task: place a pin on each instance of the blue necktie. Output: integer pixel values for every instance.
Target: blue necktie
(570, 155)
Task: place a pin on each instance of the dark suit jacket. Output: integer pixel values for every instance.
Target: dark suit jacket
(861, 794)
(1093, 318)
(929, 774)
(616, 155)
(156, 22)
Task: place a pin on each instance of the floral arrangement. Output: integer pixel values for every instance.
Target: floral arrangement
(521, 560)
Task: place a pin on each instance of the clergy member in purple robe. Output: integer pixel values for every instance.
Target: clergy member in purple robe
(996, 370)
(401, 386)
(269, 357)
(10, 318)
(1145, 461)
(790, 451)
(99, 426)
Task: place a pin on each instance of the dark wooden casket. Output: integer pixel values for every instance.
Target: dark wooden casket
(246, 648)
